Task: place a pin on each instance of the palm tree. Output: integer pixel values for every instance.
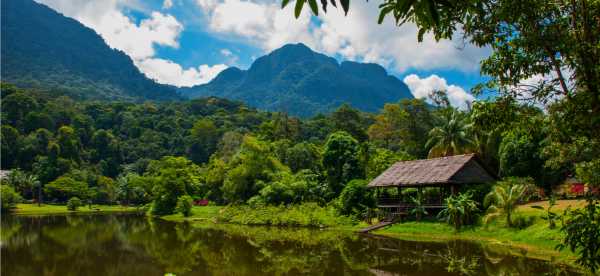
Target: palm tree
(419, 207)
(449, 138)
(504, 199)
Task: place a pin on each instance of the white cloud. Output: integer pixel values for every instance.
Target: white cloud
(137, 40)
(422, 88)
(166, 71)
(226, 52)
(355, 37)
(167, 4)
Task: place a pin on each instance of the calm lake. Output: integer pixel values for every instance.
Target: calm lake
(127, 244)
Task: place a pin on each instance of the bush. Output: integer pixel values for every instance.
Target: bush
(306, 214)
(356, 198)
(184, 205)
(9, 198)
(522, 221)
(74, 203)
(460, 210)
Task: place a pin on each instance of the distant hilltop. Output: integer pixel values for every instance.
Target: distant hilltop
(301, 82)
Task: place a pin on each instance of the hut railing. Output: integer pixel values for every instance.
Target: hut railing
(405, 202)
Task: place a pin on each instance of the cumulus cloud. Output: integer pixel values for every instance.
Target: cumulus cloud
(138, 40)
(168, 72)
(264, 24)
(422, 88)
(355, 37)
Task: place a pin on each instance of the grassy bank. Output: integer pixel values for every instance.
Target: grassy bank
(47, 209)
(537, 240)
(304, 215)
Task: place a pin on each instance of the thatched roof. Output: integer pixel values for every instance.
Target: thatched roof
(456, 169)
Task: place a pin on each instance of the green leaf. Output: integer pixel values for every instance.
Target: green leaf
(313, 6)
(433, 12)
(345, 6)
(324, 5)
(298, 8)
(284, 3)
(384, 11)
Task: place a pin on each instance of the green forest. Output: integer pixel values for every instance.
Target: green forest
(226, 152)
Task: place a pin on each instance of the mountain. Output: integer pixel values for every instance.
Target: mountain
(44, 49)
(302, 82)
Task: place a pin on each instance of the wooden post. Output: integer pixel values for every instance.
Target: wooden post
(454, 189)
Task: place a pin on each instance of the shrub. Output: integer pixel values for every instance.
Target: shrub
(74, 203)
(522, 221)
(306, 214)
(460, 210)
(9, 198)
(356, 198)
(184, 205)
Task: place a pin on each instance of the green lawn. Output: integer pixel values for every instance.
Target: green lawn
(47, 209)
(199, 213)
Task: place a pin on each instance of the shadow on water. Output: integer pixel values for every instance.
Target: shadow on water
(121, 244)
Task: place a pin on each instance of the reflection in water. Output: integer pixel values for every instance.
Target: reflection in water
(136, 245)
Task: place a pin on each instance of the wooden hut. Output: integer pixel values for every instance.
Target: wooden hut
(447, 174)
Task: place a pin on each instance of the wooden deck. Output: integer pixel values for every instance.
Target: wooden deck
(377, 226)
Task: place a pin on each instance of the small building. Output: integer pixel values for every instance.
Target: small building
(447, 174)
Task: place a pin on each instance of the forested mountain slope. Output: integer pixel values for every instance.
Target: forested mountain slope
(45, 50)
(299, 81)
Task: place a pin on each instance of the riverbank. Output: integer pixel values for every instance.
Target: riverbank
(536, 241)
(50, 209)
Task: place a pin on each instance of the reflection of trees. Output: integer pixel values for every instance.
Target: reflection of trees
(130, 245)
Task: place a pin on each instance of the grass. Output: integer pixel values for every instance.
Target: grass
(303, 215)
(48, 209)
(537, 240)
(199, 213)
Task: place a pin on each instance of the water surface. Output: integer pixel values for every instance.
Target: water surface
(126, 244)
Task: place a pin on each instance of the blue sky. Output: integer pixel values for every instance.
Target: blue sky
(188, 42)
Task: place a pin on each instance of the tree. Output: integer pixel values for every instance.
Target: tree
(36, 120)
(356, 198)
(16, 105)
(22, 182)
(302, 156)
(450, 137)
(74, 203)
(10, 198)
(519, 154)
(203, 140)
(184, 205)
(66, 187)
(581, 227)
(505, 197)
(350, 120)
(389, 129)
(172, 177)
(249, 170)
(10, 146)
(340, 161)
(582, 235)
(68, 141)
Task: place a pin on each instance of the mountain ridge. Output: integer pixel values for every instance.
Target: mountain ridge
(44, 49)
(302, 82)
